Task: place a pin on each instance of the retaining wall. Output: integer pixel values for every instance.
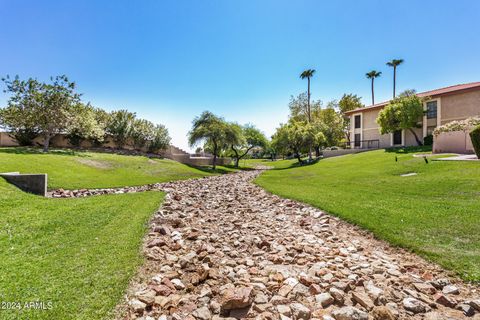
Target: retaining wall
(33, 183)
(171, 152)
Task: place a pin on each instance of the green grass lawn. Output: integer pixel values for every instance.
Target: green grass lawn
(77, 169)
(277, 164)
(77, 254)
(435, 213)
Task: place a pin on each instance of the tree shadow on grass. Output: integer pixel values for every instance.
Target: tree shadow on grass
(304, 163)
(225, 169)
(404, 150)
(239, 168)
(39, 151)
(209, 169)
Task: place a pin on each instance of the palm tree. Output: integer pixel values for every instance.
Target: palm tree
(394, 63)
(372, 75)
(308, 74)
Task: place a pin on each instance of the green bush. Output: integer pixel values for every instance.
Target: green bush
(428, 140)
(475, 136)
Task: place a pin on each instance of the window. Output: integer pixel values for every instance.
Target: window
(357, 140)
(432, 110)
(358, 123)
(397, 137)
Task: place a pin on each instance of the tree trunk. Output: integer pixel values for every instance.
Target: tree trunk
(299, 158)
(214, 164)
(373, 93)
(309, 118)
(317, 152)
(394, 80)
(416, 137)
(237, 158)
(308, 102)
(46, 142)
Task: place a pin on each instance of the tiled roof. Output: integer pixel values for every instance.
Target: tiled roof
(431, 93)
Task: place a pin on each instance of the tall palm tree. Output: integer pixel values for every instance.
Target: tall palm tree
(394, 63)
(308, 74)
(372, 75)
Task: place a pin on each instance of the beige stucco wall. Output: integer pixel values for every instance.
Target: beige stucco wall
(410, 138)
(456, 142)
(370, 129)
(450, 107)
(460, 106)
(6, 140)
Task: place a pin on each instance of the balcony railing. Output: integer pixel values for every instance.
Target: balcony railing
(362, 144)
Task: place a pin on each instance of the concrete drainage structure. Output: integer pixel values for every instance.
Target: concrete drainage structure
(33, 183)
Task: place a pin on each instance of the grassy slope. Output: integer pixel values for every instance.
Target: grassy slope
(75, 169)
(277, 164)
(435, 213)
(77, 253)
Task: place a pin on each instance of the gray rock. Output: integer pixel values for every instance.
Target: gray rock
(413, 305)
(324, 299)
(202, 313)
(349, 313)
(137, 305)
(466, 309)
(450, 289)
(299, 311)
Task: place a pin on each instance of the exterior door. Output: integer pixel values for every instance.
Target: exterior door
(397, 138)
(357, 140)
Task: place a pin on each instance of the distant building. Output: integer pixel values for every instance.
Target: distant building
(444, 105)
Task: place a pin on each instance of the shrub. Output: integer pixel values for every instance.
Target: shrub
(161, 139)
(460, 125)
(428, 140)
(475, 136)
(24, 137)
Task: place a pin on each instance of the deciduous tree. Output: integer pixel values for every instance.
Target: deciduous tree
(347, 103)
(402, 113)
(142, 132)
(210, 129)
(50, 106)
(161, 139)
(84, 125)
(249, 138)
(120, 126)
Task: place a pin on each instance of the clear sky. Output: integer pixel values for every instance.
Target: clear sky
(170, 60)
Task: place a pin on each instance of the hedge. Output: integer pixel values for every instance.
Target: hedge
(475, 136)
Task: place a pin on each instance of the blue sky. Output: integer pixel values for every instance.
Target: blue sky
(170, 60)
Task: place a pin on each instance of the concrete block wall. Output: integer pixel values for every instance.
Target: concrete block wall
(172, 152)
(33, 183)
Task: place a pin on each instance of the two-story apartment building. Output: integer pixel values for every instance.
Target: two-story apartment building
(443, 105)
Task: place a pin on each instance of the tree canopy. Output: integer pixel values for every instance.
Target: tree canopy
(402, 113)
(212, 130)
(37, 108)
(44, 108)
(299, 107)
(249, 137)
